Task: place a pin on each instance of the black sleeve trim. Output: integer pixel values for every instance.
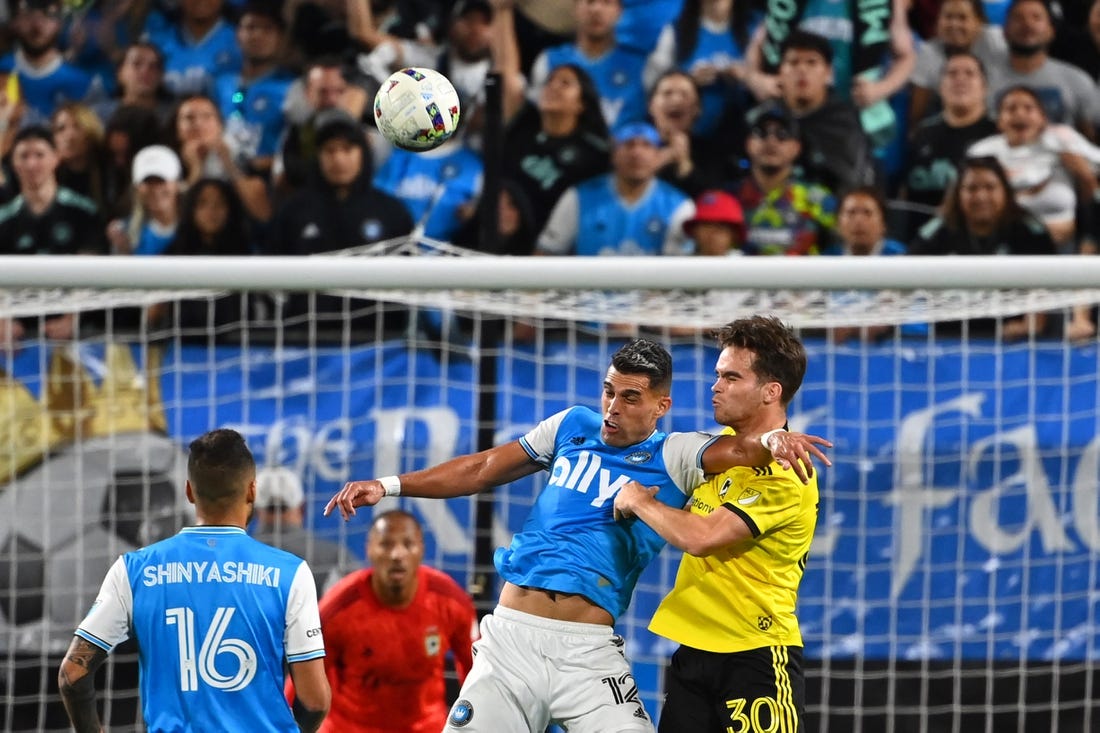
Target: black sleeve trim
(745, 517)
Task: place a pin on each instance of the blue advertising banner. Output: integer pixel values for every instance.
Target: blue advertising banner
(961, 517)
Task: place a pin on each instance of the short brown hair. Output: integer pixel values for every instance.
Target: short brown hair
(779, 354)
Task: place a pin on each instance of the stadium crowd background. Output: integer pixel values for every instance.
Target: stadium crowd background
(631, 127)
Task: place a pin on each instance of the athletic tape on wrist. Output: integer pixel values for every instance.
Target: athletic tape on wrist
(767, 436)
(391, 485)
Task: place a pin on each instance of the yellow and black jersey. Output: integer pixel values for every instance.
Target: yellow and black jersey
(743, 596)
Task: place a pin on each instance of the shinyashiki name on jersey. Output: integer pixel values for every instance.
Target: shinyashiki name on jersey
(230, 571)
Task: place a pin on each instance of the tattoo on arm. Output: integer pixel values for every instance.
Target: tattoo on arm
(76, 680)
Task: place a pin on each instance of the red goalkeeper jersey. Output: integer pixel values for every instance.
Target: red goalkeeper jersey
(385, 665)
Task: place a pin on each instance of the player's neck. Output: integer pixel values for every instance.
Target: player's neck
(237, 517)
(764, 421)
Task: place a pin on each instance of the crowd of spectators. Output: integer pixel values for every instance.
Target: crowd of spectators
(141, 127)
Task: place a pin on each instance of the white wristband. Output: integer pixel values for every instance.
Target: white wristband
(767, 436)
(391, 485)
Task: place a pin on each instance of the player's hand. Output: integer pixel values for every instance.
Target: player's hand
(796, 450)
(355, 494)
(629, 497)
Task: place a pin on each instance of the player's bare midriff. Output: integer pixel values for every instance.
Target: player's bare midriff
(554, 605)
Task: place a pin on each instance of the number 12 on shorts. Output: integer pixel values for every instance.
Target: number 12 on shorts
(213, 644)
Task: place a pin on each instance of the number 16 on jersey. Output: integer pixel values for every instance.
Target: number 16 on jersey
(214, 644)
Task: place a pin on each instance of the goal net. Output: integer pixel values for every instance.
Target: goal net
(952, 583)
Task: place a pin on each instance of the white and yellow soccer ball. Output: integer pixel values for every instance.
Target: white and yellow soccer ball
(416, 109)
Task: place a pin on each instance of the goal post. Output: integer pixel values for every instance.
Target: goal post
(952, 581)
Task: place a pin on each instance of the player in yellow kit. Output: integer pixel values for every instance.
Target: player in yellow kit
(746, 535)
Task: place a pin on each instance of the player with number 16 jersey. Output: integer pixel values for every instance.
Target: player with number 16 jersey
(197, 645)
(219, 617)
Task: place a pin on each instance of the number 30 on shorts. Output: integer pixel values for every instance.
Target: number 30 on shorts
(753, 719)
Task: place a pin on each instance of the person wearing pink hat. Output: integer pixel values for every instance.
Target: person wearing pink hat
(718, 227)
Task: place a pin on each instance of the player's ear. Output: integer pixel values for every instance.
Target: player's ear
(189, 491)
(773, 392)
(664, 404)
(250, 493)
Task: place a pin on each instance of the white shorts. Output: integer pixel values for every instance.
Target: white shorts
(531, 671)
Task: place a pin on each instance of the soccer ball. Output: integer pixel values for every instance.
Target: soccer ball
(416, 109)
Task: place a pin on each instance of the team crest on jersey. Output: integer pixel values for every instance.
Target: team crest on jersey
(432, 642)
(461, 714)
(764, 622)
(725, 488)
(748, 496)
(577, 440)
(638, 456)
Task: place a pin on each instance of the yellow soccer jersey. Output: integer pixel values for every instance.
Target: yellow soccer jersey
(743, 596)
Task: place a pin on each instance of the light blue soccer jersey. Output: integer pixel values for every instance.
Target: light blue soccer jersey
(433, 185)
(192, 64)
(718, 49)
(44, 90)
(607, 225)
(215, 614)
(570, 542)
(253, 111)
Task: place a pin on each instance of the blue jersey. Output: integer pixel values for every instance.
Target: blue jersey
(433, 185)
(570, 542)
(44, 90)
(608, 226)
(215, 615)
(617, 76)
(191, 65)
(153, 239)
(718, 49)
(642, 21)
(253, 112)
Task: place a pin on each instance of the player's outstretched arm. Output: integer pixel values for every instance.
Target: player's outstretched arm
(76, 681)
(695, 534)
(312, 694)
(789, 450)
(462, 476)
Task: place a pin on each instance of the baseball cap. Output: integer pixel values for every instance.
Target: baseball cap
(156, 161)
(771, 112)
(336, 123)
(278, 487)
(717, 207)
(635, 130)
(467, 6)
